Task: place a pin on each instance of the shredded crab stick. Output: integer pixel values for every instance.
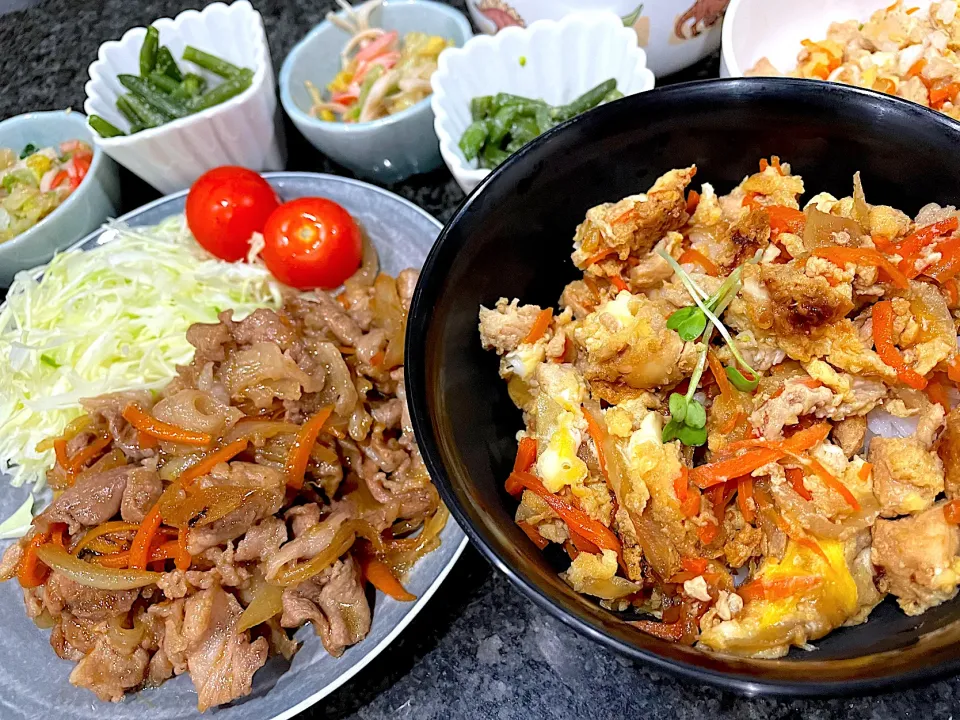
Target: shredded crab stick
(581, 523)
(210, 461)
(884, 342)
(299, 455)
(149, 425)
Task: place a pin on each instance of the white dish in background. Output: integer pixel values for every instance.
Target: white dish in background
(35, 681)
(675, 33)
(244, 130)
(561, 60)
(774, 29)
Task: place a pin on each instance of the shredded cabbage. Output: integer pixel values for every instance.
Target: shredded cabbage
(104, 320)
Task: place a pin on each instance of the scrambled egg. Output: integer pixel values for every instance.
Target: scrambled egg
(560, 427)
(767, 628)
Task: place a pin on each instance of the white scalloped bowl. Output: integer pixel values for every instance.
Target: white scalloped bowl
(561, 60)
(244, 130)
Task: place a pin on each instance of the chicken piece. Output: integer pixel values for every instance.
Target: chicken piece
(221, 659)
(627, 340)
(652, 270)
(774, 187)
(907, 474)
(849, 434)
(748, 235)
(633, 225)
(581, 298)
(596, 575)
(505, 326)
(825, 596)
(917, 558)
(864, 575)
(948, 449)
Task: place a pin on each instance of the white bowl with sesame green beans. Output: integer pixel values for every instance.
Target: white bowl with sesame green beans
(187, 94)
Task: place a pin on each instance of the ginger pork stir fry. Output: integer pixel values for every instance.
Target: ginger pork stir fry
(271, 480)
(738, 424)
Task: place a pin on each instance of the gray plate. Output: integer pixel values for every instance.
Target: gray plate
(33, 680)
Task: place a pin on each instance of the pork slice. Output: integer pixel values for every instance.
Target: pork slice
(307, 545)
(270, 486)
(108, 409)
(212, 340)
(171, 641)
(73, 639)
(302, 517)
(109, 670)
(324, 313)
(265, 325)
(262, 540)
(406, 284)
(143, 489)
(334, 602)
(10, 561)
(388, 413)
(91, 500)
(221, 659)
(60, 594)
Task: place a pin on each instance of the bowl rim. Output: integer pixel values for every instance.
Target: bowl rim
(420, 317)
(448, 145)
(80, 120)
(726, 40)
(260, 77)
(299, 116)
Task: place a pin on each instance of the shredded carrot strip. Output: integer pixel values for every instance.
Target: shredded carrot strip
(745, 498)
(140, 547)
(863, 256)
(377, 359)
(785, 219)
(211, 460)
(582, 544)
(750, 201)
(681, 484)
(937, 393)
(618, 283)
(79, 461)
(913, 244)
(732, 423)
(795, 477)
(299, 455)
(865, 471)
(697, 566)
(597, 434)
(182, 559)
(691, 504)
(164, 551)
(947, 267)
(888, 352)
(834, 483)
(531, 532)
(695, 257)
(540, 326)
(721, 471)
(693, 199)
(777, 589)
(598, 256)
(951, 512)
(597, 533)
(720, 375)
(707, 533)
(383, 579)
(149, 425)
(526, 457)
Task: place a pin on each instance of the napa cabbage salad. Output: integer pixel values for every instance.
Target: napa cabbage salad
(109, 319)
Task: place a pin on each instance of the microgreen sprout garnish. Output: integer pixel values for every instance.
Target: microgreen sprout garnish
(689, 322)
(740, 382)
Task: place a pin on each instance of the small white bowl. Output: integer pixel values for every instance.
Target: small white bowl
(675, 33)
(561, 60)
(753, 29)
(244, 130)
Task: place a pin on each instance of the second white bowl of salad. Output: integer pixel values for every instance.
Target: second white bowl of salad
(549, 72)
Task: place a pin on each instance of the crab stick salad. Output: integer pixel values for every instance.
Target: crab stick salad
(381, 73)
(35, 181)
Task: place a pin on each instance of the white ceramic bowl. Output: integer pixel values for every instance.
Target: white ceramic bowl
(675, 33)
(774, 28)
(388, 149)
(241, 131)
(563, 59)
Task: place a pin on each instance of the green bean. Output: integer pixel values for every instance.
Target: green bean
(481, 107)
(492, 156)
(148, 116)
(544, 119)
(148, 51)
(167, 65)
(153, 96)
(192, 86)
(106, 129)
(517, 142)
(473, 138)
(614, 94)
(591, 98)
(524, 127)
(123, 105)
(164, 83)
(217, 66)
(222, 92)
(500, 125)
(501, 99)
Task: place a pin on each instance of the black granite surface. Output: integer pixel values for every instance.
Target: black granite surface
(479, 650)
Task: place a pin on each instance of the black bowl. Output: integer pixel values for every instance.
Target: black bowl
(513, 238)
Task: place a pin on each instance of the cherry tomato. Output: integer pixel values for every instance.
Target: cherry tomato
(226, 206)
(312, 243)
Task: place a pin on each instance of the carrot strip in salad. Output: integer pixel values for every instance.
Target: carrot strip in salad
(183, 558)
(382, 578)
(598, 256)
(834, 483)
(149, 425)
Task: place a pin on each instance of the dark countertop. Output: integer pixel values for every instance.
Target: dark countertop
(479, 650)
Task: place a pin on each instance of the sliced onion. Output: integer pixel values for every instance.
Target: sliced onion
(95, 576)
(201, 507)
(820, 227)
(258, 431)
(861, 210)
(267, 602)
